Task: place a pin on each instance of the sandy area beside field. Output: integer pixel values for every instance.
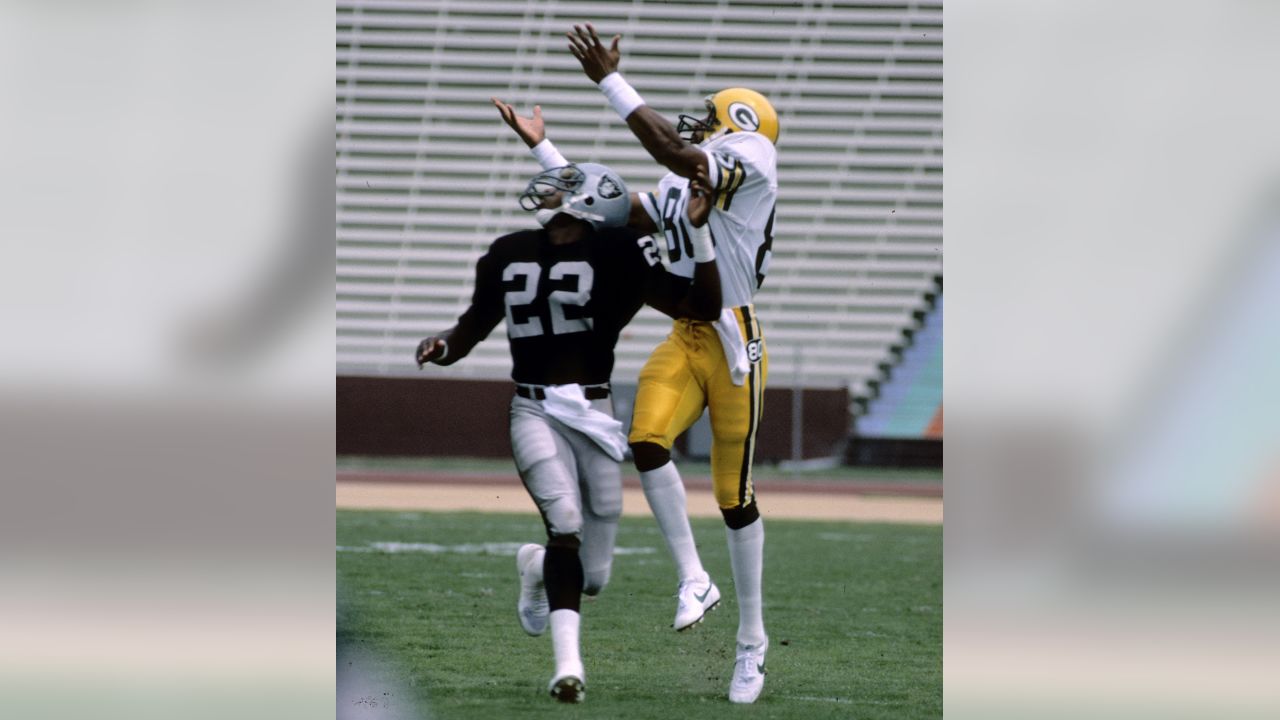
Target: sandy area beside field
(512, 498)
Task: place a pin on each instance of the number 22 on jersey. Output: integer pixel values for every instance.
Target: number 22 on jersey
(528, 275)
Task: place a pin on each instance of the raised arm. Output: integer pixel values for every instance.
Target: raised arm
(534, 134)
(532, 130)
(656, 134)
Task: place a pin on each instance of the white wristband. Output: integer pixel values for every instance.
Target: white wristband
(700, 239)
(620, 94)
(547, 155)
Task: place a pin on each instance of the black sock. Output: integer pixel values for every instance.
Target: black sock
(562, 575)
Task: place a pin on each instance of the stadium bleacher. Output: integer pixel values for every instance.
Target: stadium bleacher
(909, 402)
(427, 174)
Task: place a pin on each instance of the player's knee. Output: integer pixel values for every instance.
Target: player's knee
(726, 492)
(739, 517)
(549, 482)
(594, 580)
(603, 510)
(649, 455)
(603, 504)
(563, 517)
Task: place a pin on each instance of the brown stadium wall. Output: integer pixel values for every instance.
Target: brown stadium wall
(422, 417)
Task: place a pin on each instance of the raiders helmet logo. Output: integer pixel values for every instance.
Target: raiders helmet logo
(608, 189)
(744, 117)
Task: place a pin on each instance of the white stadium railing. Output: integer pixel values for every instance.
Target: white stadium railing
(428, 175)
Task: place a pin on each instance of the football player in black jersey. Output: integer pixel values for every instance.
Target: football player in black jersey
(566, 291)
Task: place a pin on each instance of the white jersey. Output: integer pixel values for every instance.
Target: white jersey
(744, 170)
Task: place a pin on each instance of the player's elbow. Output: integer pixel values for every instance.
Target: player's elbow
(679, 157)
(684, 164)
(670, 160)
(663, 143)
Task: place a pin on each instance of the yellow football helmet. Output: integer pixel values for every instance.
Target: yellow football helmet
(732, 110)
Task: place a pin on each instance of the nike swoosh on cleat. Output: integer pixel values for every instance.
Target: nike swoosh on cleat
(703, 596)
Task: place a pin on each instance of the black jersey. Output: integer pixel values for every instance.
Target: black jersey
(564, 304)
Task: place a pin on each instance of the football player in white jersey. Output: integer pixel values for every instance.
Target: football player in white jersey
(721, 365)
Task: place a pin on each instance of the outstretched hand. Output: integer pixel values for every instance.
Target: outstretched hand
(597, 60)
(701, 198)
(428, 350)
(530, 129)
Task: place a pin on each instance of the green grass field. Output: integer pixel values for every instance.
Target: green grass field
(854, 614)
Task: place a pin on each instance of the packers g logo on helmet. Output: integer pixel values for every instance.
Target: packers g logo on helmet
(733, 110)
(744, 117)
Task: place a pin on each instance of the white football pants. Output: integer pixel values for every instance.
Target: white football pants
(575, 484)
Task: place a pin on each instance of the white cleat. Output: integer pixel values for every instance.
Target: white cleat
(748, 673)
(532, 606)
(693, 599)
(568, 687)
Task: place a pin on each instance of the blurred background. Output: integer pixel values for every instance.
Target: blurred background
(166, 364)
(1111, 466)
(428, 175)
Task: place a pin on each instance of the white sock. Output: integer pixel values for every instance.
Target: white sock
(564, 642)
(746, 555)
(665, 492)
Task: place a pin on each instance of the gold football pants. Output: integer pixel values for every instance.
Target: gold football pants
(688, 372)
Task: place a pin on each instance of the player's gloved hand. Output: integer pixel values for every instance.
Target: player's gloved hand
(597, 60)
(701, 198)
(530, 129)
(430, 349)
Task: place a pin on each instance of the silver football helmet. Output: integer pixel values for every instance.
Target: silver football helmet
(591, 192)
